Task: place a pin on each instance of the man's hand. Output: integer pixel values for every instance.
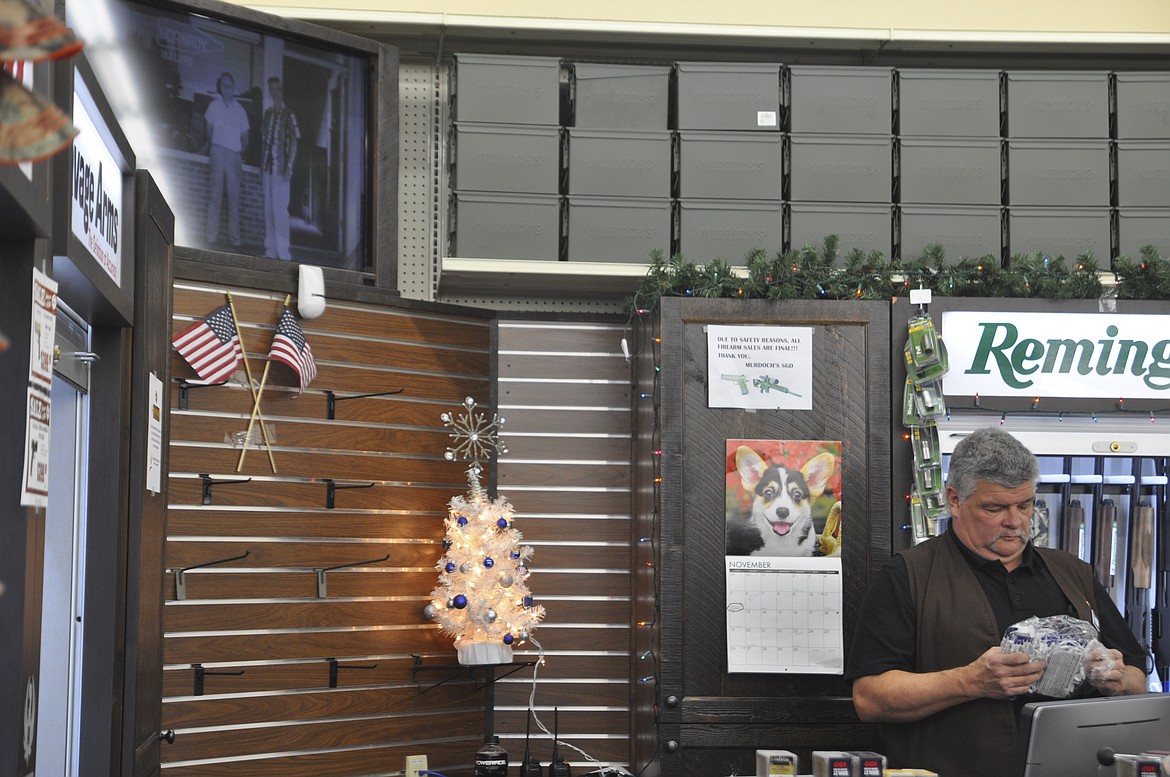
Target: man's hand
(898, 696)
(1108, 673)
(1000, 675)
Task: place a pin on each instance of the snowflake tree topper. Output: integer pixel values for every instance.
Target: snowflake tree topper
(475, 437)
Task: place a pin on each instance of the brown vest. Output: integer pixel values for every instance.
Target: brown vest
(956, 625)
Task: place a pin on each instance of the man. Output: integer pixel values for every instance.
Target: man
(227, 126)
(279, 135)
(926, 659)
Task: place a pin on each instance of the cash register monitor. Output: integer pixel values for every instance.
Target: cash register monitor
(1063, 737)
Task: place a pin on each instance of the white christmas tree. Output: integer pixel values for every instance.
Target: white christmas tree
(482, 598)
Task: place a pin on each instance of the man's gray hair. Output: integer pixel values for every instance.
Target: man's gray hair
(993, 455)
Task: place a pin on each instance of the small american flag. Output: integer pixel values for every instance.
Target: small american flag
(290, 347)
(211, 346)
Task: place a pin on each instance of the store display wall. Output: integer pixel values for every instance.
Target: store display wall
(249, 653)
(707, 719)
(1024, 161)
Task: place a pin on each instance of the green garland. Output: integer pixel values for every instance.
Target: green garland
(809, 273)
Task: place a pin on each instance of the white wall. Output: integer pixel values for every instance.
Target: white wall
(1135, 20)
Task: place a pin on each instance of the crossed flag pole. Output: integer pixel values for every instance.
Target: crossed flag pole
(290, 347)
(214, 348)
(256, 392)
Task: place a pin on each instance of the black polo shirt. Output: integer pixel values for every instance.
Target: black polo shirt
(885, 637)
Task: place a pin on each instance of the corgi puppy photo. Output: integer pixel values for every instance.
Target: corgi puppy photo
(779, 521)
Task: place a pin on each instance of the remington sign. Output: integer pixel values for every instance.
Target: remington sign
(1057, 354)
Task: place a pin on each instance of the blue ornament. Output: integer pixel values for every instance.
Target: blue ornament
(461, 521)
(460, 601)
(446, 544)
(450, 567)
(527, 601)
(487, 562)
(509, 639)
(515, 554)
(502, 523)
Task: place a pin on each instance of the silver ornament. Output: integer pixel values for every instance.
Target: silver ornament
(450, 604)
(524, 635)
(464, 567)
(506, 581)
(429, 611)
(490, 616)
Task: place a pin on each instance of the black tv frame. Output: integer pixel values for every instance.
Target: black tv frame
(380, 203)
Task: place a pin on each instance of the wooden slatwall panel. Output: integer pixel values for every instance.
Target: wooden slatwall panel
(564, 392)
(257, 625)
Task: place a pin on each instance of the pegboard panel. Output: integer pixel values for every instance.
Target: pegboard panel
(419, 153)
(423, 193)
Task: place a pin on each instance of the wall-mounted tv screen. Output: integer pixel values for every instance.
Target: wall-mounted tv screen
(260, 131)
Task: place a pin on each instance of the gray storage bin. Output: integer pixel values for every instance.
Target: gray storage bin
(617, 229)
(619, 163)
(1058, 172)
(1143, 105)
(948, 102)
(1143, 173)
(1140, 227)
(506, 89)
(837, 99)
(620, 96)
(1067, 232)
(1057, 104)
(727, 96)
(730, 165)
(728, 230)
(856, 225)
(506, 226)
(964, 231)
(517, 158)
(840, 168)
(956, 171)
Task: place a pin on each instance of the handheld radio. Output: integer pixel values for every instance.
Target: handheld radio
(557, 767)
(529, 767)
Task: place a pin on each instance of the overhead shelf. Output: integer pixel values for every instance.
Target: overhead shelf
(461, 274)
(590, 279)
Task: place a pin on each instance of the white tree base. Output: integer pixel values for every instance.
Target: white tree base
(480, 653)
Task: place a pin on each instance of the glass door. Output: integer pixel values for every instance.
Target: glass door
(62, 616)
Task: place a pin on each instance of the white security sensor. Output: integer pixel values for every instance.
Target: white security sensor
(311, 292)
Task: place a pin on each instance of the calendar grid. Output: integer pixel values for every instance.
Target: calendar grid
(784, 616)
